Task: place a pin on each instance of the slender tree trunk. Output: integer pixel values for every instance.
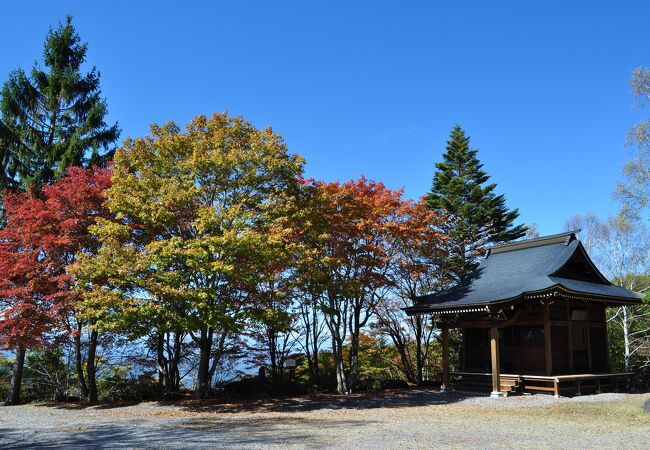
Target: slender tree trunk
(626, 338)
(419, 360)
(174, 371)
(310, 321)
(315, 367)
(273, 354)
(315, 335)
(91, 367)
(407, 365)
(13, 397)
(217, 354)
(81, 376)
(342, 386)
(168, 355)
(422, 346)
(205, 350)
(355, 328)
(162, 362)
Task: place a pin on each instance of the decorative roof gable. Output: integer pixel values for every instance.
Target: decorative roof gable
(526, 269)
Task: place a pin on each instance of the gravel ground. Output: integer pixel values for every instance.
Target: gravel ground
(401, 418)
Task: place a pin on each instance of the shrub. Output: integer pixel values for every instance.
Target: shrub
(6, 366)
(119, 384)
(46, 376)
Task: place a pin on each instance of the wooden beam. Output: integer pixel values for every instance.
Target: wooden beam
(488, 323)
(547, 341)
(445, 358)
(494, 353)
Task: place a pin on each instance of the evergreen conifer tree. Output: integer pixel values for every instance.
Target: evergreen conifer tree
(53, 118)
(479, 216)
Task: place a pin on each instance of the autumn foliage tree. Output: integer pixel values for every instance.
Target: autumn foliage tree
(203, 199)
(42, 237)
(353, 237)
(75, 204)
(418, 267)
(272, 317)
(27, 314)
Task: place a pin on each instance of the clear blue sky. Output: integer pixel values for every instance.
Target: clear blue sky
(374, 87)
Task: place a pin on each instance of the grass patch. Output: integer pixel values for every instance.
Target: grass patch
(628, 412)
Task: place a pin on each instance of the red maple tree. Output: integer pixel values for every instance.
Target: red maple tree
(43, 233)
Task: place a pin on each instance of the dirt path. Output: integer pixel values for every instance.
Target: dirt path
(409, 418)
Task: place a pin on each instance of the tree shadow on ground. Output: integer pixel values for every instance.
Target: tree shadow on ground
(182, 433)
(393, 398)
(84, 405)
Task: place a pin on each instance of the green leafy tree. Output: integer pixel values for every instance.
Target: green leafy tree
(54, 117)
(479, 216)
(6, 366)
(47, 377)
(194, 233)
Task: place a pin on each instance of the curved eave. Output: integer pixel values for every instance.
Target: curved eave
(557, 290)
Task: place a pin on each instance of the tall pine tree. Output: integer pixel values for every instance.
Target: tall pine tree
(53, 118)
(480, 217)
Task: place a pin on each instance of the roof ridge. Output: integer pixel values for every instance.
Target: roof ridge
(566, 237)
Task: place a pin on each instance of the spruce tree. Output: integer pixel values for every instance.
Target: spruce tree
(53, 118)
(480, 217)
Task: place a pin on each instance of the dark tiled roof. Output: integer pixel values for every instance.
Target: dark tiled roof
(526, 267)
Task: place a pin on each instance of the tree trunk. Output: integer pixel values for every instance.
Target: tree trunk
(13, 397)
(355, 328)
(174, 371)
(419, 362)
(203, 380)
(163, 366)
(168, 355)
(315, 351)
(315, 368)
(273, 353)
(310, 321)
(81, 376)
(626, 338)
(91, 367)
(342, 386)
(419, 357)
(407, 365)
(353, 382)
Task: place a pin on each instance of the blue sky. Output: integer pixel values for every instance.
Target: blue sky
(374, 87)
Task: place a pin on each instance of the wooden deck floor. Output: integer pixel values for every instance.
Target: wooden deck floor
(573, 384)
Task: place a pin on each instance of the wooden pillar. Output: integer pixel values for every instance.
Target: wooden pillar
(445, 358)
(496, 369)
(464, 349)
(588, 337)
(569, 335)
(547, 341)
